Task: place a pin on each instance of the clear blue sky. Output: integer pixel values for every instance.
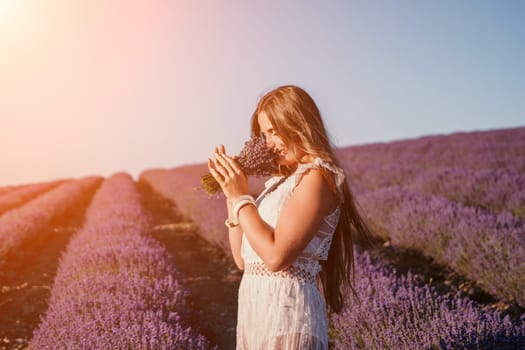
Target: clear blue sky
(96, 87)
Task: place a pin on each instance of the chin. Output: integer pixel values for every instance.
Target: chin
(285, 161)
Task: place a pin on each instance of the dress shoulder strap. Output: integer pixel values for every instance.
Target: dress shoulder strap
(337, 173)
(270, 185)
(271, 181)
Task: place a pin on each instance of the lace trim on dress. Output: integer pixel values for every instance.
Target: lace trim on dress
(324, 247)
(270, 185)
(338, 172)
(331, 219)
(291, 272)
(339, 175)
(271, 181)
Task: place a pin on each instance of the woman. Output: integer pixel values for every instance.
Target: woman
(298, 233)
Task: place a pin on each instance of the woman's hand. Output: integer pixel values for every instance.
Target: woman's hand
(228, 174)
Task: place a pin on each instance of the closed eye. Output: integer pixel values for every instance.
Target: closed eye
(271, 132)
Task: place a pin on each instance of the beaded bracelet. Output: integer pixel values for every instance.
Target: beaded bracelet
(239, 203)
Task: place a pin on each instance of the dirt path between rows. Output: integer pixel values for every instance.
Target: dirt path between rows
(210, 276)
(26, 280)
(213, 279)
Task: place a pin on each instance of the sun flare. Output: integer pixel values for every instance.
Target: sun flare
(11, 16)
(8, 9)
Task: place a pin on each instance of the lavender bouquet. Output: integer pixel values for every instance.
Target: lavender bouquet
(255, 159)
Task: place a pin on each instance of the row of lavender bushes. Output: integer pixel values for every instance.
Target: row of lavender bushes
(376, 165)
(18, 196)
(471, 150)
(498, 190)
(487, 248)
(8, 188)
(23, 223)
(193, 202)
(394, 313)
(494, 189)
(397, 312)
(116, 287)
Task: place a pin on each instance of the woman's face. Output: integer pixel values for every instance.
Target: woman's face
(274, 141)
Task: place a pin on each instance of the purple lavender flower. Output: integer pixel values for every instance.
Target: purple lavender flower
(255, 159)
(116, 287)
(22, 223)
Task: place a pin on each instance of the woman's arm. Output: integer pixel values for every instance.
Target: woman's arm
(235, 237)
(299, 221)
(241, 184)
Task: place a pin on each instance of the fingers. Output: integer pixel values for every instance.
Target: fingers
(223, 172)
(215, 153)
(216, 175)
(217, 161)
(222, 163)
(225, 165)
(233, 164)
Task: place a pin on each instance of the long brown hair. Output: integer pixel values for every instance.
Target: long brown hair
(296, 118)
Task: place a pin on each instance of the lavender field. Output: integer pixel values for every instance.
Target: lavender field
(457, 201)
(88, 264)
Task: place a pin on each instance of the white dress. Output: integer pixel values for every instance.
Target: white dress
(285, 309)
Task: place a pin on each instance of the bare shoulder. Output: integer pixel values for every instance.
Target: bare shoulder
(311, 177)
(317, 184)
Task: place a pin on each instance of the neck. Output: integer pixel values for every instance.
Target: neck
(308, 158)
